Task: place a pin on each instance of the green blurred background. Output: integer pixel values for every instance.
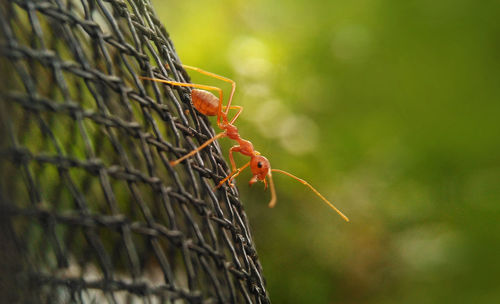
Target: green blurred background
(391, 110)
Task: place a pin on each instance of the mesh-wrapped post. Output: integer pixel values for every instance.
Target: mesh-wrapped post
(91, 210)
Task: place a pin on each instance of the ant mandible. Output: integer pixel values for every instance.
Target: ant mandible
(208, 104)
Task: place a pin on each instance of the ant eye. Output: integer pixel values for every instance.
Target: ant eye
(259, 164)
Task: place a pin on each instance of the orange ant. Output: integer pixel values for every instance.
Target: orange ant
(208, 104)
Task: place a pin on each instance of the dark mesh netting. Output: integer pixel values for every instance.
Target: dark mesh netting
(91, 210)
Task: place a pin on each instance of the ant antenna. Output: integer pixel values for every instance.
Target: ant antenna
(273, 192)
(272, 203)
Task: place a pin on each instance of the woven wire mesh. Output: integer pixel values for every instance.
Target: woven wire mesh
(92, 211)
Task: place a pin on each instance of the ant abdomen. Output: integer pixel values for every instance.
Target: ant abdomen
(205, 102)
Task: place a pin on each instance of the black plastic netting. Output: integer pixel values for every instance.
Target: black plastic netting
(91, 210)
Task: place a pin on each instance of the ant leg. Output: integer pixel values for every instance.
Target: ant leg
(240, 109)
(233, 164)
(232, 176)
(177, 161)
(184, 84)
(231, 158)
(232, 82)
(193, 85)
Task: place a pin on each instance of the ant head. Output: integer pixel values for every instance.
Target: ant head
(260, 167)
